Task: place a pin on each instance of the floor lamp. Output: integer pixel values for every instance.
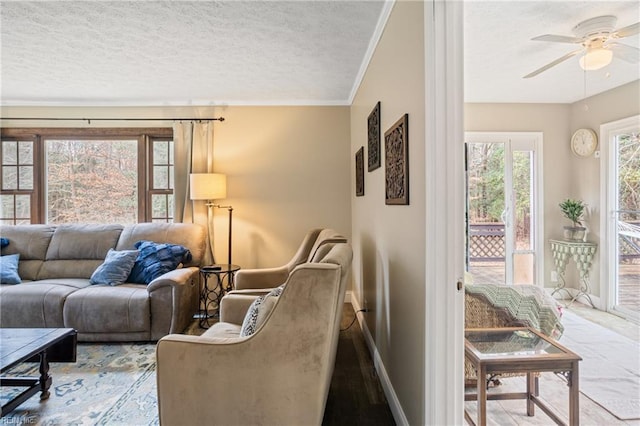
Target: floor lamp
(211, 187)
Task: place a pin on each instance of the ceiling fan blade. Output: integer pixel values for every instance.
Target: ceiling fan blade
(624, 52)
(554, 63)
(558, 38)
(627, 31)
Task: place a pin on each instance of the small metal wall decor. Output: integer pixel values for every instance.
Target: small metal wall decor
(396, 151)
(360, 172)
(373, 139)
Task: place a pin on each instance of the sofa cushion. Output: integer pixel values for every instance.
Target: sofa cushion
(34, 304)
(76, 250)
(32, 242)
(156, 259)
(106, 309)
(116, 267)
(259, 311)
(188, 235)
(9, 269)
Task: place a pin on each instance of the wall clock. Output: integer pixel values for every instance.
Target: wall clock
(584, 142)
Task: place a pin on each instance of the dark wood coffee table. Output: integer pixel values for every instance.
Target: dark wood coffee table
(43, 345)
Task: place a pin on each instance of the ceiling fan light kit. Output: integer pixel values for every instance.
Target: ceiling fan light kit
(595, 59)
(599, 45)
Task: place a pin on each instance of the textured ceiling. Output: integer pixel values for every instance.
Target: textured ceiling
(274, 52)
(183, 52)
(499, 50)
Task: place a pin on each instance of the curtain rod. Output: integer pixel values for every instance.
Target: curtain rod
(89, 120)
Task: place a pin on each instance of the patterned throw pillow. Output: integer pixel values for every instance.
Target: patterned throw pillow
(9, 269)
(156, 259)
(116, 267)
(258, 311)
(4, 242)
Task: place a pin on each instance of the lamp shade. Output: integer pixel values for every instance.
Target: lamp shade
(208, 186)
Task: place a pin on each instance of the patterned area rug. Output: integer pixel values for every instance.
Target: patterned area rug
(110, 384)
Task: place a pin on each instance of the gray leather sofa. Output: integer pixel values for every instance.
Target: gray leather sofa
(56, 263)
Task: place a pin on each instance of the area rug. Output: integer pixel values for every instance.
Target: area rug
(610, 366)
(110, 384)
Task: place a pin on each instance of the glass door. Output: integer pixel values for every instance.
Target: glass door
(623, 225)
(502, 218)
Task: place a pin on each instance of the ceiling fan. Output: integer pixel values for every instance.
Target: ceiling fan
(598, 41)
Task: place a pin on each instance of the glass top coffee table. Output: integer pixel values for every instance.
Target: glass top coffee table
(519, 350)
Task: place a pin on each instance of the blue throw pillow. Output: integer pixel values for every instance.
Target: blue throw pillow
(156, 259)
(9, 269)
(4, 242)
(116, 267)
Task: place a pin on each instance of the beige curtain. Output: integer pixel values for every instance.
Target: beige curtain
(192, 153)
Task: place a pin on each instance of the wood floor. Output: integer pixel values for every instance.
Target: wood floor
(355, 396)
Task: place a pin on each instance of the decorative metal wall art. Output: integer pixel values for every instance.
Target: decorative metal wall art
(396, 151)
(373, 139)
(360, 172)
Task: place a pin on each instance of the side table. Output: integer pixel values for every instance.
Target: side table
(216, 280)
(582, 254)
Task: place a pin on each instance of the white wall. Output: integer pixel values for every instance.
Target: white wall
(388, 241)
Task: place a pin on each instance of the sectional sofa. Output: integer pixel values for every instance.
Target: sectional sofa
(56, 264)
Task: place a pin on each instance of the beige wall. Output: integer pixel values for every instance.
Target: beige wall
(389, 243)
(565, 175)
(616, 104)
(288, 170)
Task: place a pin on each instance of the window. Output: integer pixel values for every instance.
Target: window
(86, 175)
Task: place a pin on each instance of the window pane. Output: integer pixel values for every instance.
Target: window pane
(171, 177)
(26, 177)
(23, 206)
(170, 207)
(170, 152)
(92, 181)
(6, 206)
(159, 205)
(160, 177)
(25, 152)
(9, 177)
(9, 152)
(522, 183)
(160, 152)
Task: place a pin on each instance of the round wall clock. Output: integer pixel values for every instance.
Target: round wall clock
(584, 142)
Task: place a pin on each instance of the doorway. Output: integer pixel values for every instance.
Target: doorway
(621, 149)
(504, 219)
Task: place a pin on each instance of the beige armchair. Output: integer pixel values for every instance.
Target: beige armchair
(309, 249)
(280, 375)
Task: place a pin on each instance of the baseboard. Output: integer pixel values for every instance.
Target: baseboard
(392, 398)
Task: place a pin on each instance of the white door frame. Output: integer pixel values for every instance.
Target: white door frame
(521, 141)
(608, 230)
(444, 173)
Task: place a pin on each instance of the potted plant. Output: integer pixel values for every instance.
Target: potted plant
(573, 210)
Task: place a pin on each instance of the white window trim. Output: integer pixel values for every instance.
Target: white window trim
(608, 131)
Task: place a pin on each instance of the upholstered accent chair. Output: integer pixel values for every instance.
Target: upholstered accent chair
(279, 375)
(310, 249)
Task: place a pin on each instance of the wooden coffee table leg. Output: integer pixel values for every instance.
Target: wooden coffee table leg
(45, 378)
(531, 390)
(481, 372)
(574, 396)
